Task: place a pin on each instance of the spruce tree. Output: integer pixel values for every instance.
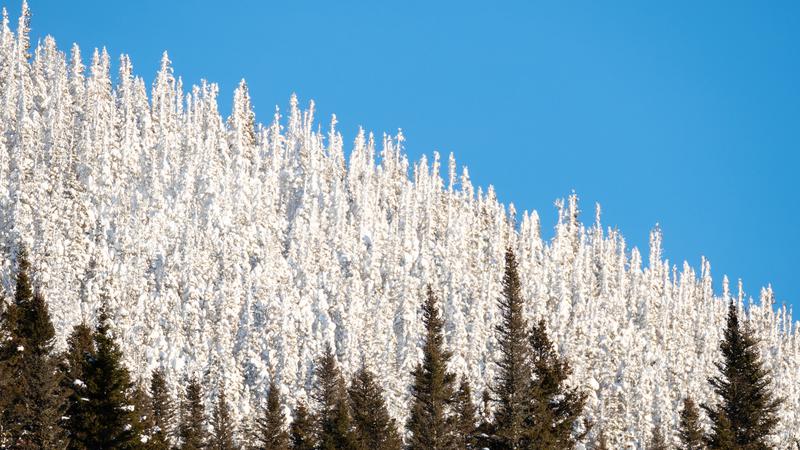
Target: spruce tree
(657, 440)
(374, 428)
(80, 351)
(270, 429)
(113, 421)
(747, 408)
(163, 413)
(31, 387)
(722, 436)
(330, 394)
(431, 421)
(512, 382)
(555, 408)
(221, 423)
(302, 432)
(193, 421)
(466, 417)
(690, 432)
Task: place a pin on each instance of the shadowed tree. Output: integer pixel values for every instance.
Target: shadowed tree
(431, 422)
(373, 426)
(333, 411)
(33, 400)
(163, 413)
(270, 429)
(302, 432)
(466, 417)
(512, 383)
(221, 423)
(192, 429)
(747, 408)
(555, 408)
(690, 432)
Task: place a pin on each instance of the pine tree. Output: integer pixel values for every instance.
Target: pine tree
(374, 428)
(80, 350)
(747, 407)
(330, 394)
(722, 436)
(193, 421)
(270, 432)
(163, 413)
(31, 382)
(302, 432)
(512, 382)
(657, 440)
(431, 422)
(222, 424)
(555, 409)
(113, 421)
(466, 417)
(690, 432)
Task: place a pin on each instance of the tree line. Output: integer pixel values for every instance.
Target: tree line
(85, 398)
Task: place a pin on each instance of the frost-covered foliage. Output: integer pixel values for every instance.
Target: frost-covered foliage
(235, 251)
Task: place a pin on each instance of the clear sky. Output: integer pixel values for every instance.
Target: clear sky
(682, 113)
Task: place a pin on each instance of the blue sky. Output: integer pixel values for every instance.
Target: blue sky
(681, 113)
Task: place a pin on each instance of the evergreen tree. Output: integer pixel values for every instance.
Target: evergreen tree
(431, 422)
(143, 407)
(722, 436)
(690, 432)
(302, 431)
(747, 407)
(374, 428)
(512, 382)
(466, 417)
(80, 350)
(193, 421)
(163, 413)
(330, 394)
(657, 440)
(270, 432)
(222, 424)
(555, 409)
(108, 393)
(30, 381)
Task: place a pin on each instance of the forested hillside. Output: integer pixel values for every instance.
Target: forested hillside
(235, 251)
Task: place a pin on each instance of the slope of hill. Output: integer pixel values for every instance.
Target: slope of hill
(230, 249)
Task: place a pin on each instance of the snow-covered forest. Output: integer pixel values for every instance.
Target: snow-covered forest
(234, 250)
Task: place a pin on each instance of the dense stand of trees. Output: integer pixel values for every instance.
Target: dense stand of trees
(84, 397)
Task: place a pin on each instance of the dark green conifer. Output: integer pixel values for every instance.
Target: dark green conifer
(690, 432)
(80, 351)
(30, 382)
(302, 432)
(374, 428)
(466, 417)
(222, 424)
(162, 410)
(512, 383)
(193, 420)
(555, 408)
(108, 394)
(333, 411)
(722, 436)
(270, 429)
(746, 407)
(431, 423)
